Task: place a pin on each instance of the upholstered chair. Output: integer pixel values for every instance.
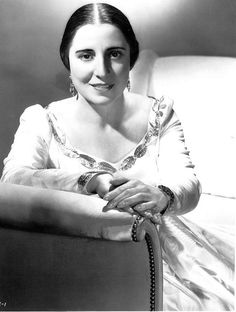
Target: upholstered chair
(55, 256)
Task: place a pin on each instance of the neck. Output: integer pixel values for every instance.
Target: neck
(112, 113)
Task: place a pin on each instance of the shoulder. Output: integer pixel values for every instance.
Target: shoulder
(33, 109)
(34, 121)
(140, 104)
(62, 106)
(36, 116)
(33, 113)
(164, 107)
(163, 103)
(56, 106)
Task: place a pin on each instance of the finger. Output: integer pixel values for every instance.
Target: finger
(142, 207)
(114, 202)
(149, 211)
(127, 199)
(118, 190)
(146, 214)
(156, 218)
(126, 209)
(129, 210)
(119, 180)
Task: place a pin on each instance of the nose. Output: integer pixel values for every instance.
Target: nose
(102, 66)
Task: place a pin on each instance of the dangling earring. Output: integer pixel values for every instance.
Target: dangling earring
(73, 90)
(128, 85)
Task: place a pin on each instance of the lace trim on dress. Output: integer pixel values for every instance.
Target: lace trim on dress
(91, 163)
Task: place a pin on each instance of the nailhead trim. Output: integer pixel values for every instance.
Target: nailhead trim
(151, 261)
(134, 228)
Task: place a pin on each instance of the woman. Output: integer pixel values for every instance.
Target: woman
(127, 149)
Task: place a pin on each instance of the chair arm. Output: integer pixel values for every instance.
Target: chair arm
(74, 258)
(59, 212)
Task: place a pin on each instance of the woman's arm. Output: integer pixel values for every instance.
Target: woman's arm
(56, 179)
(175, 166)
(29, 159)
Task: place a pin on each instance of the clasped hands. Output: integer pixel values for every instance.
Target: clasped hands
(130, 195)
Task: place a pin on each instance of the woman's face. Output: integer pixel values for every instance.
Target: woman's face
(99, 59)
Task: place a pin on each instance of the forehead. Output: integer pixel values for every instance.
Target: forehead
(102, 34)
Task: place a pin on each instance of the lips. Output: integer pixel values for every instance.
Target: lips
(102, 86)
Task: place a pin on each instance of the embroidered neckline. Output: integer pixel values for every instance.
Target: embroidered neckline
(90, 162)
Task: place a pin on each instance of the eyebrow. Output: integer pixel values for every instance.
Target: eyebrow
(91, 50)
(84, 50)
(118, 48)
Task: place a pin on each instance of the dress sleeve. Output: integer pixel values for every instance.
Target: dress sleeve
(27, 162)
(174, 164)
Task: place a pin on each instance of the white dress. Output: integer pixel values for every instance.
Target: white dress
(198, 266)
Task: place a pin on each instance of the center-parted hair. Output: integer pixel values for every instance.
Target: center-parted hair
(101, 13)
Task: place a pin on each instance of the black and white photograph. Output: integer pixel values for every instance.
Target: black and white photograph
(117, 157)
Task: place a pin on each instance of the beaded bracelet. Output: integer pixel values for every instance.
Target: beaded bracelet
(85, 178)
(170, 195)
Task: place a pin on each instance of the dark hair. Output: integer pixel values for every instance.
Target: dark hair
(107, 14)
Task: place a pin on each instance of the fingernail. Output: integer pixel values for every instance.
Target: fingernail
(108, 207)
(104, 209)
(130, 210)
(106, 197)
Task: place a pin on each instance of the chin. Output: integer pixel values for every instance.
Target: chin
(103, 99)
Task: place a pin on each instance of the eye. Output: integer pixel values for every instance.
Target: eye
(85, 57)
(115, 54)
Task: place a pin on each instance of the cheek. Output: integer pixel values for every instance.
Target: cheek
(121, 70)
(81, 72)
